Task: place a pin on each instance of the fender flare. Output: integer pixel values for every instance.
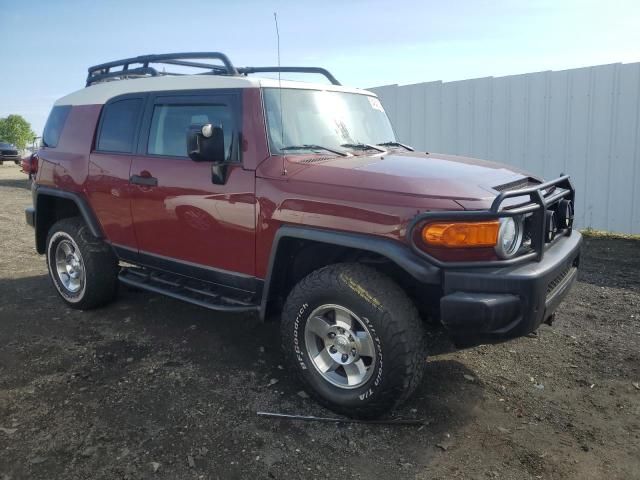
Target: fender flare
(398, 253)
(83, 207)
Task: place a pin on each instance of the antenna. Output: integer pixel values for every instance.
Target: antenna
(284, 168)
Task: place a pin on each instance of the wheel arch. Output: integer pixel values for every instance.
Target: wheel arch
(297, 251)
(53, 205)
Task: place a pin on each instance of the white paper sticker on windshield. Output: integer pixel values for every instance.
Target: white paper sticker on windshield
(375, 103)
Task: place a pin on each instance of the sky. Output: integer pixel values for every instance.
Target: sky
(47, 45)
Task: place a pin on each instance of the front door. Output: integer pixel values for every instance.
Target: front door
(183, 221)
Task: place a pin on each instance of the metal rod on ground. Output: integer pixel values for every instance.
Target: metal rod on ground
(311, 418)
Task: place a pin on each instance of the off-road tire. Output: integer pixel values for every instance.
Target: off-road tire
(100, 265)
(393, 322)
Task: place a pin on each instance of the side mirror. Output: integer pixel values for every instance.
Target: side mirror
(205, 143)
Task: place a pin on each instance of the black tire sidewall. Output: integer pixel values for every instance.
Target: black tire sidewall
(374, 299)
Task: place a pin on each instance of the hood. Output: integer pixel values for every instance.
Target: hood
(466, 180)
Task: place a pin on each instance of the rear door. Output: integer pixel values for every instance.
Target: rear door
(183, 221)
(108, 186)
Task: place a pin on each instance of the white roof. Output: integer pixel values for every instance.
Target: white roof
(101, 92)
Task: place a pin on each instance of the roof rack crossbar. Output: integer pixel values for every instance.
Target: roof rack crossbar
(319, 70)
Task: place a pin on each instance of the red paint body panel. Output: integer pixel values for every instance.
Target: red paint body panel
(109, 194)
(409, 173)
(187, 217)
(65, 167)
(375, 194)
(288, 200)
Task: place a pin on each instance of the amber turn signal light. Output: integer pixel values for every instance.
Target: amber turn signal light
(461, 234)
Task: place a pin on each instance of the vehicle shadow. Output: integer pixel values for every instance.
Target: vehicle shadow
(165, 360)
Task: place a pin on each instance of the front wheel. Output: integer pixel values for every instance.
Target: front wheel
(83, 269)
(355, 339)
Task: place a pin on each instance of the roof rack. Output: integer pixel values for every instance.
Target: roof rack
(103, 72)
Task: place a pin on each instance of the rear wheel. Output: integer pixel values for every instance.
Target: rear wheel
(83, 269)
(354, 338)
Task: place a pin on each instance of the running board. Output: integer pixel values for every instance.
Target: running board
(199, 293)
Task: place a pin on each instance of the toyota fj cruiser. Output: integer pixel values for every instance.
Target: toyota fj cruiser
(245, 194)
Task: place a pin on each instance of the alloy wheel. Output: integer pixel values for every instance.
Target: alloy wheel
(340, 346)
(69, 266)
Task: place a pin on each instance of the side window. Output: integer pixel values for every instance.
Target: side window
(54, 125)
(170, 123)
(119, 125)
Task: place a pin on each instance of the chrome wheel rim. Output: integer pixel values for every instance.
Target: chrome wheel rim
(340, 346)
(69, 266)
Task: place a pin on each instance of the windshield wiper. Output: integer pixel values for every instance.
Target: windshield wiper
(313, 147)
(362, 146)
(395, 144)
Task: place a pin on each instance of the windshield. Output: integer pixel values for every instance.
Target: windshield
(321, 119)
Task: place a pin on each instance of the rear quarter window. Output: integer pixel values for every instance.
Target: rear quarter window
(55, 124)
(119, 126)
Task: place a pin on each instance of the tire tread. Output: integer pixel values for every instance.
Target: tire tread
(404, 354)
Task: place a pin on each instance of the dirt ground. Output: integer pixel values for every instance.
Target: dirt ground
(153, 388)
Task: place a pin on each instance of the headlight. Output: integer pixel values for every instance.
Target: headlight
(509, 237)
(461, 234)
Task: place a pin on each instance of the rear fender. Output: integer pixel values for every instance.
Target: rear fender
(52, 205)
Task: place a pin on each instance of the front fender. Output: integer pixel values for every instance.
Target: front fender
(396, 252)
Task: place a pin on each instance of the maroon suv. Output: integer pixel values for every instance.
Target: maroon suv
(245, 194)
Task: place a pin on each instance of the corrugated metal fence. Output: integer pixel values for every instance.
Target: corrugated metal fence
(584, 122)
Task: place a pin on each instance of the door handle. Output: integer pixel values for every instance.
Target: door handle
(147, 181)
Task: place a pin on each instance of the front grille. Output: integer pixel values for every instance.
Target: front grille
(10, 153)
(553, 284)
(518, 184)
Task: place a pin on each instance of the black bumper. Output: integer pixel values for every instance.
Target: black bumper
(491, 305)
(30, 216)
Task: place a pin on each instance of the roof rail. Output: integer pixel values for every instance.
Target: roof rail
(103, 72)
(321, 71)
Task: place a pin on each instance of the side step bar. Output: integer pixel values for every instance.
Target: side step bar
(199, 293)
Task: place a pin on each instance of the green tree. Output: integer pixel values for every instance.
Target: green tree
(16, 130)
